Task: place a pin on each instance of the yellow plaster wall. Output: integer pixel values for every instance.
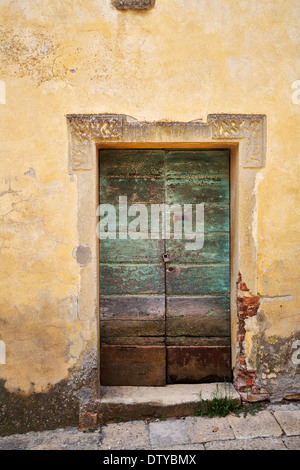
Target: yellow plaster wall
(180, 61)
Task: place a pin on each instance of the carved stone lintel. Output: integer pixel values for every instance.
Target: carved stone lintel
(248, 130)
(133, 4)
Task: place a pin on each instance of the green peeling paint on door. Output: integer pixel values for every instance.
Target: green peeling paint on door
(164, 319)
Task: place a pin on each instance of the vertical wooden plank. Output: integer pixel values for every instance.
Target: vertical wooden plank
(198, 280)
(132, 279)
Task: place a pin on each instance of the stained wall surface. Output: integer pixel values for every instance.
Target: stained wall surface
(180, 61)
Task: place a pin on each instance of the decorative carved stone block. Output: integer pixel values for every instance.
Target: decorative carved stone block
(84, 129)
(133, 4)
(249, 129)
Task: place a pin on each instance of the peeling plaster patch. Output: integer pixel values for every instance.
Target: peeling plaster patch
(272, 340)
(296, 94)
(31, 54)
(2, 353)
(2, 92)
(277, 369)
(251, 327)
(30, 172)
(82, 254)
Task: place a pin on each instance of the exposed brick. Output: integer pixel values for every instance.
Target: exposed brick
(87, 420)
(243, 286)
(245, 380)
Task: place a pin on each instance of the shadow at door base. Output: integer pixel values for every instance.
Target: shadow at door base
(208, 379)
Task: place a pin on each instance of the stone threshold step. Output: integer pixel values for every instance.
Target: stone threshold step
(126, 403)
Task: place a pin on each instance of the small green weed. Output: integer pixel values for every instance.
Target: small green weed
(221, 405)
(250, 408)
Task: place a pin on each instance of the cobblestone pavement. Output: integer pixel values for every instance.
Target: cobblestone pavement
(275, 427)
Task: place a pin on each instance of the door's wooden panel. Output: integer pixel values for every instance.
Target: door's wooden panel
(198, 279)
(131, 328)
(131, 163)
(198, 316)
(121, 251)
(215, 249)
(197, 164)
(216, 218)
(137, 190)
(132, 319)
(135, 365)
(197, 190)
(195, 364)
(131, 279)
(133, 307)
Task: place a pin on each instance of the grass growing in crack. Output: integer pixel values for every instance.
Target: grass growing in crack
(221, 405)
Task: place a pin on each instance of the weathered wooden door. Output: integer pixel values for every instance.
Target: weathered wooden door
(164, 297)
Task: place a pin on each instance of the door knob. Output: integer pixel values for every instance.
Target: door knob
(166, 257)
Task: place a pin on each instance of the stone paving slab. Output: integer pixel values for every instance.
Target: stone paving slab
(262, 424)
(125, 436)
(208, 429)
(259, 443)
(59, 439)
(168, 433)
(184, 447)
(289, 421)
(292, 443)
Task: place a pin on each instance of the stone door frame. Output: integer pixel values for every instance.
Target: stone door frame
(243, 134)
